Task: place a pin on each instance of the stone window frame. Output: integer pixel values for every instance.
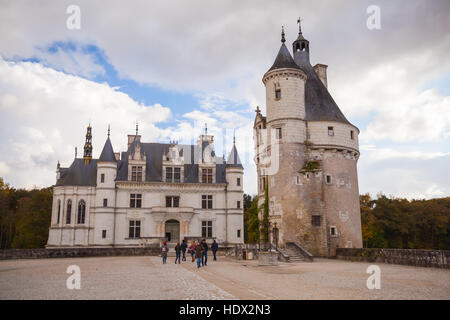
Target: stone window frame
(81, 212)
(328, 175)
(103, 234)
(172, 201)
(59, 211)
(352, 135)
(298, 180)
(68, 211)
(238, 233)
(105, 202)
(278, 133)
(238, 182)
(137, 225)
(137, 173)
(172, 170)
(207, 227)
(238, 204)
(316, 220)
(136, 200)
(207, 176)
(209, 201)
(336, 234)
(330, 131)
(102, 178)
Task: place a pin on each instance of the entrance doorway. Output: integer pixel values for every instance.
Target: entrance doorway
(172, 231)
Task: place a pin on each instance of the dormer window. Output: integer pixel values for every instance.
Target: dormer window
(207, 175)
(136, 173)
(330, 131)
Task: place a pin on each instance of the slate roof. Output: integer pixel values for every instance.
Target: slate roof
(107, 154)
(319, 104)
(79, 174)
(283, 59)
(233, 158)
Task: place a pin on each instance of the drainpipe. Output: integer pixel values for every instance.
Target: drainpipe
(114, 215)
(226, 215)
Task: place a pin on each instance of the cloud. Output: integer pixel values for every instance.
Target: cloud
(44, 114)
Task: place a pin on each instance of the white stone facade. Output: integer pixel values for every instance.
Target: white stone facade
(110, 212)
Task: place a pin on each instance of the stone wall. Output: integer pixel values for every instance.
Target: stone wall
(410, 257)
(76, 252)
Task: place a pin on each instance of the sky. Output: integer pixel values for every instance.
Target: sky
(175, 65)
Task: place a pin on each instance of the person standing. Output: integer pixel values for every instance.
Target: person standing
(183, 249)
(192, 250)
(214, 248)
(198, 253)
(205, 253)
(177, 253)
(164, 251)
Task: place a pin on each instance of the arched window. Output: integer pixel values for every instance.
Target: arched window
(59, 211)
(81, 212)
(69, 211)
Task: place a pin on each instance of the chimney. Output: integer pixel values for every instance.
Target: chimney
(321, 71)
(131, 138)
(117, 154)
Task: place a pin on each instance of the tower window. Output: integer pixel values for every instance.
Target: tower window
(59, 211)
(333, 231)
(103, 234)
(316, 221)
(238, 181)
(297, 180)
(239, 233)
(330, 131)
(277, 94)
(278, 133)
(168, 174)
(328, 179)
(351, 135)
(102, 178)
(238, 204)
(105, 202)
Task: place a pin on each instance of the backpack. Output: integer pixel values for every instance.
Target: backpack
(164, 249)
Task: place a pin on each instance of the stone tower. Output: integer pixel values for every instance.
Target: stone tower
(307, 152)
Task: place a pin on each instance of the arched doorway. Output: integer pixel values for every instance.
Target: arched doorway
(172, 230)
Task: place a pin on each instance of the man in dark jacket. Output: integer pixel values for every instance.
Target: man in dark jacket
(177, 253)
(198, 253)
(183, 249)
(214, 248)
(205, 253)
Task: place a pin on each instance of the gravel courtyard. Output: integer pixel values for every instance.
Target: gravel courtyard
(146, 278)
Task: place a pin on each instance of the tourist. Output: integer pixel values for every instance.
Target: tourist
(205, 253)
(192, 250)
(198, 253)
(177, 253)
(164, 250)
(183, 249)
(214, 248)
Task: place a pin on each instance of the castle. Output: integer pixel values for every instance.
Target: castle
(306, 152)
(150, 193)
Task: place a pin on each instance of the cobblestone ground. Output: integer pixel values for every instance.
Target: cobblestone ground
(147, 278)
(104, 278)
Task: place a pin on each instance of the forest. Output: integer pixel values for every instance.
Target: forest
(387, 222)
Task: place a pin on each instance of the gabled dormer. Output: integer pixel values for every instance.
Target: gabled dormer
(136, 160)
(173, 164)
(206, 158)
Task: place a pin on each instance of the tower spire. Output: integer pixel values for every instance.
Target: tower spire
(283, 40)
(299, 21)
(87, 156)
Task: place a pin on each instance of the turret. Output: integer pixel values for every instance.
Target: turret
(300, 46)
(87, 156)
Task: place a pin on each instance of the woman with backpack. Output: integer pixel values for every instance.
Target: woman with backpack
(177, 253)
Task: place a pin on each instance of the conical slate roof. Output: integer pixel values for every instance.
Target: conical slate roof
(283, 59)
(319, 104)
(233, 158)
(107, 153)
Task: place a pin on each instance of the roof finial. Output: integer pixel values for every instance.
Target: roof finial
(75, 152)
(136, 128)
(206, 129)
(234, 136)
(257, 109)
(283, 40)
(299, 21)
(109, 129)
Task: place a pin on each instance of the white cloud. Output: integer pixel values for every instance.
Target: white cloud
(44, 114)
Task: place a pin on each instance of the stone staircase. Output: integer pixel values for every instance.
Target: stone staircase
(296, 253)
